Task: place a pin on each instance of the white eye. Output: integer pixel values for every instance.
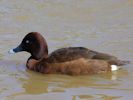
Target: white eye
(27, 41)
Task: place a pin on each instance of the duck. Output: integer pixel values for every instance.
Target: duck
(69, 60)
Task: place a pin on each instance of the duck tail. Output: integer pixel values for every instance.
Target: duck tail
(114, 67)
(118, 62)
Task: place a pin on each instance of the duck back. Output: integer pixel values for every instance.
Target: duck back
(73, 53)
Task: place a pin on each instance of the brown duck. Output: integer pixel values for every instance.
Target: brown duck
(71, 60)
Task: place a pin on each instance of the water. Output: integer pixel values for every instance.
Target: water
(102, 25)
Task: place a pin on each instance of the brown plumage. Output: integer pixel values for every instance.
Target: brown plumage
(71, 60)
(74, 67)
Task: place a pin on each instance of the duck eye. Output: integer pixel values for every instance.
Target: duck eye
(27, 41)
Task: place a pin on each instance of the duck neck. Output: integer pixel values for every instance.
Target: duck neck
(36, 56)
(40, 54)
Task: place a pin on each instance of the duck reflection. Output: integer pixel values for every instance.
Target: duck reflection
(37, 83)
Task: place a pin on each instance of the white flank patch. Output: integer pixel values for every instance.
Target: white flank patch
(114, 67)
(11, 51)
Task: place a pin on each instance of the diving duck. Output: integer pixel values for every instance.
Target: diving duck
(70, 60)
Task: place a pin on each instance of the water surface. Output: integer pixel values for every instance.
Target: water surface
(102, 25)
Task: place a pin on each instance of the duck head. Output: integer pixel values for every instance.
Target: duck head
(35, 44)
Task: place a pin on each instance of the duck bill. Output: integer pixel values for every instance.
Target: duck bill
(15, 50)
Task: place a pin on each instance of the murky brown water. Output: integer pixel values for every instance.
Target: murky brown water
(102, 25)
